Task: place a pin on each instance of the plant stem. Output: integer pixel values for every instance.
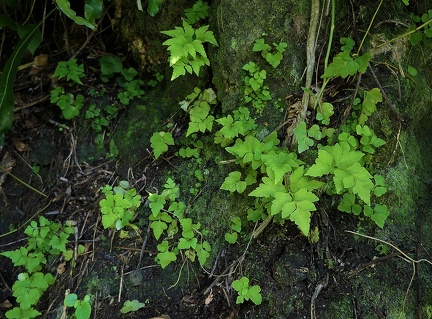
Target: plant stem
(310, 54)
(22, 182)
(370, 25)
(327, 57)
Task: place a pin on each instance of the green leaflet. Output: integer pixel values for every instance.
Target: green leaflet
(233, 183)
(277, 164)
(93, 10)
(130, 306)
(64, 6)
(197, 12)
(7, 79)
(6, 21)
(153, 7)
(304, 142)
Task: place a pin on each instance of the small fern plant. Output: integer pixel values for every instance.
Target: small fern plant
(186, 48)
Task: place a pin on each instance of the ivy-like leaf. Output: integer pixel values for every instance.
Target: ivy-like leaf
(165, 257)
(160, 141)
(233, 183)
(380, 215)
(158, 228)
(260, 45)
(254, 294)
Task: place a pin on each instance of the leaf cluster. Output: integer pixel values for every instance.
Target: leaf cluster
(68, 103)
(110, 65)
(100, 114)
(160, 141)
(291, 198)
(46, 238)
(119, 206)
(417, 34)
(131, 88)
(274, 57)
(198, 104)
(69, 70)
(28, 289)
(351, 179)
(255, 91)
(233, 126)
(168, 216)
(345, 64)
(200, 10)
(186, 47)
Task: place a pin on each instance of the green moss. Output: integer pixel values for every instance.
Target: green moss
(342, 307)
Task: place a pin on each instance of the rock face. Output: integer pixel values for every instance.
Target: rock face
(238, 26)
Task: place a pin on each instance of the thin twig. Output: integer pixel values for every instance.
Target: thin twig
(310, 54)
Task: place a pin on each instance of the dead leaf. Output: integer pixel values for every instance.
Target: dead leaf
(6, 304)
(21, 146)
(208, 299)
(41, 60)
(7, 161)
(61, 268)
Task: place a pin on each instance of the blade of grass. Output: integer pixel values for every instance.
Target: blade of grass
(7, 79)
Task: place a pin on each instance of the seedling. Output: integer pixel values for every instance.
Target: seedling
(131, 306)
(82, 307)
(247, 292)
